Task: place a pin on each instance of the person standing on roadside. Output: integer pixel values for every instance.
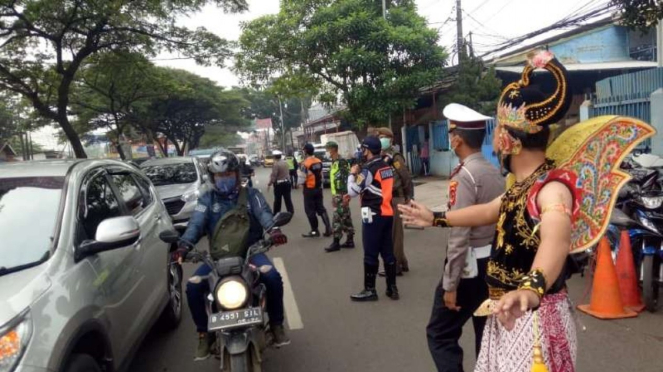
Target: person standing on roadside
(311, 168)
(462, 287)
(280, 179)
(292, 169)
(342, 220)
(374, 182)
(403, 193)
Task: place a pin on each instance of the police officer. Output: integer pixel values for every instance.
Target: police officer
(342, 220)
(374, 182)
(280, 178)
(311, 168)
(403, 192)
(463, 288)
(292, 169)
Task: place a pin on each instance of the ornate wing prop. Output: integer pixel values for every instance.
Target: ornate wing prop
(593, 150)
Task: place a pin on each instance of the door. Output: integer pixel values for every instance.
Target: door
(115, 269)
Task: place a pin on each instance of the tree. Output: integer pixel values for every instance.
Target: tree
(640, 14)
(189, 107)
(45, 42)
(344, 50)
(476, 87)
(109, 90)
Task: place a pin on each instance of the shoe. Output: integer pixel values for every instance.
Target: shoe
(383, 274)
(205, 340)
(328, 230)
(404, 267)
(392, 290)
(312, 234)
(349, 242)
(369, 293)
(280, 338)
(335, 246)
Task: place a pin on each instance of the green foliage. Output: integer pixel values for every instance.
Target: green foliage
(640, 14)
(45, 42)
(265, 104)
(343, 50)
(475, 87)
(214, 137)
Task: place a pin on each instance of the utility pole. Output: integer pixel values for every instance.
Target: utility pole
(282, 127)
(384, 15)
(459, 30)
(471, 47)
(659, 43)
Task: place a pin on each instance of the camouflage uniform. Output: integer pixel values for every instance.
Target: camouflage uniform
(340, 169)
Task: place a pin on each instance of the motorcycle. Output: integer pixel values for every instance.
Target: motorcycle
(242, 324)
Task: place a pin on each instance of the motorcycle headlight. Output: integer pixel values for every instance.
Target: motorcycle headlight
(648, 224)
(14, 338)
(191, 195)
(652, 202)
(231, 294)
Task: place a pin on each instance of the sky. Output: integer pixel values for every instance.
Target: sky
(490, 21)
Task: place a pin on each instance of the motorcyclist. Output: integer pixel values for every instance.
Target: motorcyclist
(224, 169)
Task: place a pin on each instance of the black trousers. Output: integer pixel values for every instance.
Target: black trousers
(377, 240)
(313, 204)
(293, 177)
(282, 191)
(446, 326)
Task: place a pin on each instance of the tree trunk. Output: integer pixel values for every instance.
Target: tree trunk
(120, 150)
(164, 147)
(72, 136)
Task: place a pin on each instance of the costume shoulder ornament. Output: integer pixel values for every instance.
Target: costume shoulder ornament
(593, 151)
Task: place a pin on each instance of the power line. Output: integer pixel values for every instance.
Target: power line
(480, 24)
(479, 7)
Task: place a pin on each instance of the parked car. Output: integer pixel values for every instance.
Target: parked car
(179, 181)
(269, 161)
(83, 273)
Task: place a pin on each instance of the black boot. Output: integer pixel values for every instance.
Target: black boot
(392, 290)
(369, 293)
(312, 234)
(349, 242)
(325, 220)
(335, 246)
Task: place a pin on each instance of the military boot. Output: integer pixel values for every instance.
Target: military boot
(369, 293)
(392, 290)
(349, 242)
(325, 220)
(334, 246)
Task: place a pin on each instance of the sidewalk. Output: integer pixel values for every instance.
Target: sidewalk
(432, 192)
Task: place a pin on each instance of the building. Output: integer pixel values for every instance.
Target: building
(7, 153)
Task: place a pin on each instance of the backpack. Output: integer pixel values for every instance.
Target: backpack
(231, 233)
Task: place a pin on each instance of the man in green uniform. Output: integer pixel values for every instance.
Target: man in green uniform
(403, 192)
(339, 172)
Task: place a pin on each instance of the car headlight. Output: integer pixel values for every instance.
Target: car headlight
(652, 202)
(14, 339)
(231, 294)
(648, 224)
(191, 195)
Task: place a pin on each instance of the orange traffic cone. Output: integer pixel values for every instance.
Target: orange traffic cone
(606, 302)
(628, 283)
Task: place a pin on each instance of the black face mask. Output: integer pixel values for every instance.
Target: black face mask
(505, 162)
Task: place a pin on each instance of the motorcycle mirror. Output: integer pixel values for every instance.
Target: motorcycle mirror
(281, 218)
(169, 236)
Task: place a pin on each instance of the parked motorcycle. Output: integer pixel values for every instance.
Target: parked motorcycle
(242, 324)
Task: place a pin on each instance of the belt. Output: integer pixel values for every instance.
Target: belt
(278, 182)
(482, 252)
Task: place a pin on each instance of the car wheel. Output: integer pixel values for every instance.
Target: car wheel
(172, 314)
(82, 363)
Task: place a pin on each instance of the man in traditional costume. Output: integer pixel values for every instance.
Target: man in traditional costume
(559, 202)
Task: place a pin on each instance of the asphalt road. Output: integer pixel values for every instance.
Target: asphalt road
(338, 335)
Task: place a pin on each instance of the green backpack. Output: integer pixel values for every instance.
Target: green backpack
(231, 233)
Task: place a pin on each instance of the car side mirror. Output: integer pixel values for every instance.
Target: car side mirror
(112, 233)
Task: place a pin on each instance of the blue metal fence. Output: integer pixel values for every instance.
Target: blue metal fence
(440, 136)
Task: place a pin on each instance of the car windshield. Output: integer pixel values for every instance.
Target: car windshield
(28, 214)
(168, 174)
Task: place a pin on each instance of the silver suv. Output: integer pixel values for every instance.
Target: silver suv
(83, 273)
(179, 182)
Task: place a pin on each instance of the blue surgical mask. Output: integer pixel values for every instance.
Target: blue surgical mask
(226, 185)
(385, 142)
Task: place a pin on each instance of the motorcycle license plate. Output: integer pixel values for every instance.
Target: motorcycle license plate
(236, 318)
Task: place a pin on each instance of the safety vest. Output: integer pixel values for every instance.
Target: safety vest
(378, 194)
(291, 162)
(312, 166)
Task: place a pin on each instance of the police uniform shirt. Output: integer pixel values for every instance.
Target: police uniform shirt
(403, 185)
(474, 181)
(280, 172)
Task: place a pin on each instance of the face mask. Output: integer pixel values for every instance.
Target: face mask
(385, 142)
(226, 185)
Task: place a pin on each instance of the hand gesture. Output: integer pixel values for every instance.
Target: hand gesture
(513, 305)
(450, 300)
(416, 214)
(346, 200)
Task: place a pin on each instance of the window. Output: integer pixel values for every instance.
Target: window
(144, 187)
(100, 203)
(130, 194)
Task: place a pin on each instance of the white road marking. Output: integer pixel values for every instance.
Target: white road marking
(289, 302)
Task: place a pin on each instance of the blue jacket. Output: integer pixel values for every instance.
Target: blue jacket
(211, 207)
